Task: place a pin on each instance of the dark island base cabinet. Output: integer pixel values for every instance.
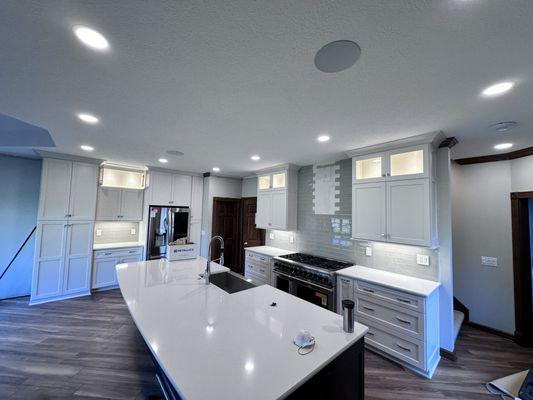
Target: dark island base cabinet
(341, 379)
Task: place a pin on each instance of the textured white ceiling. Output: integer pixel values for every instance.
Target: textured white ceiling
(222, 80)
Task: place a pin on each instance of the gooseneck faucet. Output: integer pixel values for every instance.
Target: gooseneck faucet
(220, 260)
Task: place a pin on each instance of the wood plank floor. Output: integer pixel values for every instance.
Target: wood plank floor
(89, 348)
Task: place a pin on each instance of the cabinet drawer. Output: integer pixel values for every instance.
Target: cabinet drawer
(127, 251)
(404, 348)
(257, 279)
(402, 299)
(257, 257)
(403, 321)
(259, 270)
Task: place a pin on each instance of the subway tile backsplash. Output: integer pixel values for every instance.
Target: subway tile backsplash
(116, 232)
(330, 235)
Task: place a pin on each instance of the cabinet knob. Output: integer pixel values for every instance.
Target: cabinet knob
(383, 175)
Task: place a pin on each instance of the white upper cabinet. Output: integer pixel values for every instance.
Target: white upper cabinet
(170, 189)
(404, 163)
(368, 211)
(392, 196)
(68, 191)
(160, 188)
(197, 194)
(276, 198)
(409, 212)
(119, 204)
(55, 190)
(83, 192)
(181, 190)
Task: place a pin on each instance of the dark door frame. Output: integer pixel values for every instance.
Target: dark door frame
(522, 268)
(215, 228)
(242, 247)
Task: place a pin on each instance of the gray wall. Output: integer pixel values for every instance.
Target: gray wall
(19, 202)
(116, 232)
(482, 227)
(329, 235)
(249, 187)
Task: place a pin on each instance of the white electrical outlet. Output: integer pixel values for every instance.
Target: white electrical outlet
(271, 235)
(368, 251)
(291, 239)
(133, 231)
(422, 259)
(98, 232)
(489, 261)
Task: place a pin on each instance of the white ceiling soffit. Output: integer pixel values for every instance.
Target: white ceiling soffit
(221, 80)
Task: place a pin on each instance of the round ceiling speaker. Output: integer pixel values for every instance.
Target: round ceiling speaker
(503, 126)
(175, 153)
(337, 56)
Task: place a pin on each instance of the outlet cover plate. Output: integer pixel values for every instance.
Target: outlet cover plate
(489, 261)
(133, 231)
(271, 235)
(291, 239)
(422, 259)
(98, 232)
(368, 251)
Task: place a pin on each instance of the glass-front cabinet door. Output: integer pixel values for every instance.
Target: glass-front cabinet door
(369, 168)
(411, 162)
(279, 180)
(263, 182)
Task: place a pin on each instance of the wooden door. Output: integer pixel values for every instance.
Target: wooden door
(55, 190)
(408, 212)
(181, 191)
(251, 235)
(131, 205)
(368, 211)
(83, 189)
(226, 222)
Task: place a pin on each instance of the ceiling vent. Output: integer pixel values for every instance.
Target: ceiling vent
(504, 126)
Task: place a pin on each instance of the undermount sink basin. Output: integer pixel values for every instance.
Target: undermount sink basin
(230, 282)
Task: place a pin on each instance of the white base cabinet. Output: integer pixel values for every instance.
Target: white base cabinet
(258, 267)
(62, 266)
(105, 262)
(402, 327)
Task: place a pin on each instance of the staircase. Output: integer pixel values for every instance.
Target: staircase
(460, 315)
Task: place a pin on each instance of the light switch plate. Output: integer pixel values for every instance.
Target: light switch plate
(368, 251)
(291, 239)
(422, 259)
(271, 235)
(489, 261)
(98, 232)
(133, 231)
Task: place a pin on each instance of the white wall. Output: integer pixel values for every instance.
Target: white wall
(215, 186)
(19, 202)
(482, 227)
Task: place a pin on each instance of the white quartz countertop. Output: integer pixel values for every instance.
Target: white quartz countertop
(105, 246)
(416, 286)
(215, 345)
(269, 251)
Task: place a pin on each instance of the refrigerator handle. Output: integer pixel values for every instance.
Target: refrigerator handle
(170, 227)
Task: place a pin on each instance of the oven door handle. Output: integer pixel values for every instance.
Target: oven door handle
(303, 281)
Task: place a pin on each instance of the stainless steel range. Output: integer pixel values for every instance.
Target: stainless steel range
(309, 277)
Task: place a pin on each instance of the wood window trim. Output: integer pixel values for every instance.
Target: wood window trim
(522, 268)
(528, 151)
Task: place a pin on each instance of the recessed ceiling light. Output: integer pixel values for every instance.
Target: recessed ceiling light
(503, 126)
(323, 138)
(497, 89)
(86, 147)
(91, 38)
(255, 158)
(88, 118)
(216, 169)
(163, 160)
(337, 56)
(503, 146)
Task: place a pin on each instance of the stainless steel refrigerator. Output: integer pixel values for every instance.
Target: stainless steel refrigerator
(165, 225)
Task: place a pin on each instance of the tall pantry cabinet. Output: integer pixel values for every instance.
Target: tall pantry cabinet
(63, 246)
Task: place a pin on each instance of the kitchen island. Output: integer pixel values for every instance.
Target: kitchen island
(209, 344)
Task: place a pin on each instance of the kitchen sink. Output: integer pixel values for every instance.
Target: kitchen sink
(230, 282)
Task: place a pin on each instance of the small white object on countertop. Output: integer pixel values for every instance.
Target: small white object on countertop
(416, 286)
(269, 251)
(212, 344)
(105, 246)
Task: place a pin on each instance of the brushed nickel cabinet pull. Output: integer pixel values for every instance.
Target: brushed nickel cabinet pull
(403, 320)
(370, 333)
(403, 348)
(403, 300)
(368, 290)
(368, 308)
